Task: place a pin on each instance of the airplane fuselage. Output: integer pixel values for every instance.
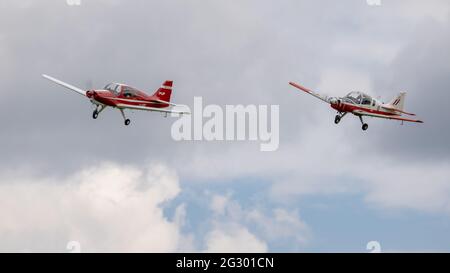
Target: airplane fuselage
(373, 108)
(105, 97)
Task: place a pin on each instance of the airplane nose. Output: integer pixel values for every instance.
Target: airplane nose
(90, 93)
(333, 100)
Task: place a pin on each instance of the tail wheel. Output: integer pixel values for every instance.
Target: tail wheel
(337, 119)
(127, 122)
(365, 126)
(95, 114)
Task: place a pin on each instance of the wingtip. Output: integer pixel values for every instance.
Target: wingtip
(298, 86)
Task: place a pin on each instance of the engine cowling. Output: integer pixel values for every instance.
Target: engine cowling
(90, 94)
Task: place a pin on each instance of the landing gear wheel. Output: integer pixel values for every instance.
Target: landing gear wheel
(127, 122)
(365, 126)
(95, 114)
(337, 119)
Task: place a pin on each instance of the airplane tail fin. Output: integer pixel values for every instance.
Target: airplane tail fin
(398, 102)
(165, 91)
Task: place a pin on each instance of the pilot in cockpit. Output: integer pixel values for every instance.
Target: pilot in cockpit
(354, 97)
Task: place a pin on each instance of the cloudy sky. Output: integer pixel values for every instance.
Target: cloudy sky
(66, 177)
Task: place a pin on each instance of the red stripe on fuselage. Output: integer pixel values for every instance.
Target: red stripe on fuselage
(344, 107)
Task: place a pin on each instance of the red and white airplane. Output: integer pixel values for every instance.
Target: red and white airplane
(123, 97)
(360, 104)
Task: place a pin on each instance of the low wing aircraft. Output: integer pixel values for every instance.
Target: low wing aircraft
(123, 97)
(360, 104)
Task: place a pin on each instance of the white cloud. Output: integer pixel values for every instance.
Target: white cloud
(268, 225)
(229, 233)
(281, 224)
(423, 187)
(117, 208)
(105, 208)
(219, 203)
(233, 238)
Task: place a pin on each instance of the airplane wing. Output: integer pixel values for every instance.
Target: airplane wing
(396, 117)
(306, 90)
(397, 110)
(66, 85)
(145, 108)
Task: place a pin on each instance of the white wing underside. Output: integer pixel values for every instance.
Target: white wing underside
(324, 98)
(66, 85)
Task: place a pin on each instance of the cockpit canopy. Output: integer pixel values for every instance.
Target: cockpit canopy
(358, 98)
(127, 91)
(130, 92)
(113, 88)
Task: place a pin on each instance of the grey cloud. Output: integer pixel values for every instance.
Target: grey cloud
(228, 54)
(421, 69)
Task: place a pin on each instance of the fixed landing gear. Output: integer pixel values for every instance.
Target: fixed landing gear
(127, 121)
(365, 126)
(97, 111)
(338, 117)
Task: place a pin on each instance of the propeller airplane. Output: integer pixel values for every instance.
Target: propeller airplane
(360, 105)
(123, 97)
